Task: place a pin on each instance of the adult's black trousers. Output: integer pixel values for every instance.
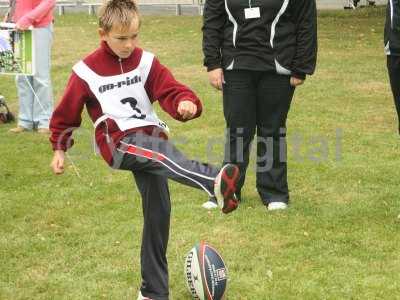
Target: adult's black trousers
(393, 65)
(258, 103)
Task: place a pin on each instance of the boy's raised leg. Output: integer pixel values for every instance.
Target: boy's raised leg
(159, 156)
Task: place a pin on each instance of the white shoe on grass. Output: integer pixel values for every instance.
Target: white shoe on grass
(141, 297)
(277, 206)
(210, 204)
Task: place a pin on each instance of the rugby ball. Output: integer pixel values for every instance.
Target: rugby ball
(205, 273)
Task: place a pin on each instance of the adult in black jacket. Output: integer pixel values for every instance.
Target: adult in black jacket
(392, 49)
(257, 52)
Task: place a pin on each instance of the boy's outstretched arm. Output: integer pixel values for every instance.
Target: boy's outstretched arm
(57, 164)
(175, 98)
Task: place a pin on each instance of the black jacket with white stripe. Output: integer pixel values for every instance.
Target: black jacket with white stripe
(282, 40)
(392, 28)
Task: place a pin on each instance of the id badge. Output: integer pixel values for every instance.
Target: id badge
(252, 13)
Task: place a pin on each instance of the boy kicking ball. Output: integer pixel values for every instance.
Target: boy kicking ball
(118, 83)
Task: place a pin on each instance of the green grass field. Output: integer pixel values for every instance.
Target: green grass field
(71, 237)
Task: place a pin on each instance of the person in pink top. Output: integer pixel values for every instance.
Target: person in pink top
(35, 92)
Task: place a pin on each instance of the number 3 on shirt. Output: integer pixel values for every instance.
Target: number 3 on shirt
(133, 102)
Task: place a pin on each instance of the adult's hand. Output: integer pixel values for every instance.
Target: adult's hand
(296, 81)
(216, 78)
(24, 23)
(19, 28)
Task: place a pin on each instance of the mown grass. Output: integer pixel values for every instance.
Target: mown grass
(73, 237)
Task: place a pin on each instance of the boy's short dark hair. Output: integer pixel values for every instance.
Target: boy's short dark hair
(117, 12)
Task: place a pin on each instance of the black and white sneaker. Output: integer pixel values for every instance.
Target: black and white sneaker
(225, 188)
(277, 206)
(212, 203)
(141, 297)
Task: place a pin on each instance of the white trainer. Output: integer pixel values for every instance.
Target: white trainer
(141, 297)
(209, 205)
(277, 205)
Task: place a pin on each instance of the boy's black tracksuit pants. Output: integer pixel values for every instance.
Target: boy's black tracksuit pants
(154, 160)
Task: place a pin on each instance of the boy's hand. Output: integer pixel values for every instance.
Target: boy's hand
(216, 78)
(187, 109)
(57, 163)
